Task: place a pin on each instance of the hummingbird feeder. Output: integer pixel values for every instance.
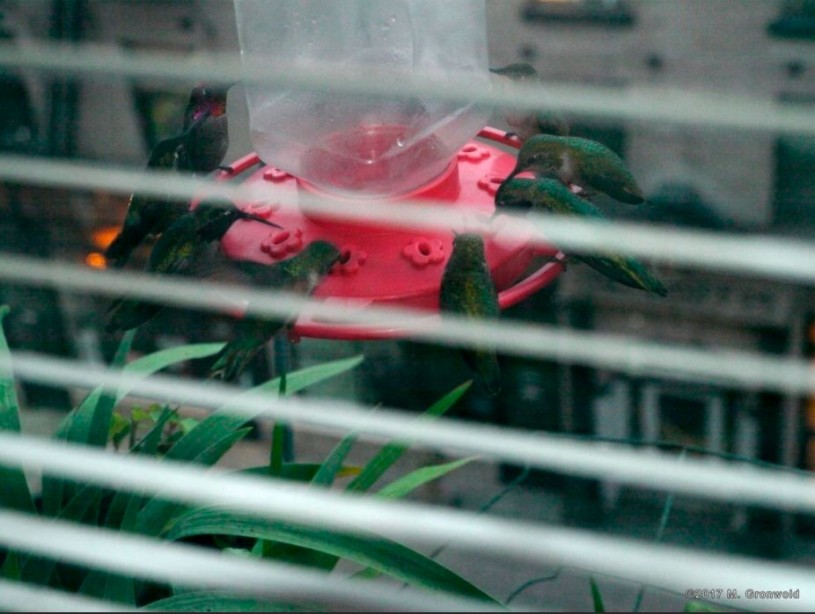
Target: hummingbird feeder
(344, 147)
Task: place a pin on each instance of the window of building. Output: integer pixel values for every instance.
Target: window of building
(794, 206)
(600, 12)
(797, 20)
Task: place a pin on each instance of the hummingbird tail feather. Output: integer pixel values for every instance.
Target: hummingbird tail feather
(485, 365)
(117, 253)
(231, 362)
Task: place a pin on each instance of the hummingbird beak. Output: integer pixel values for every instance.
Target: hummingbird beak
(255, 218)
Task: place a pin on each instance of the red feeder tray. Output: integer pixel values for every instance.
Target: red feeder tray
(387, 264)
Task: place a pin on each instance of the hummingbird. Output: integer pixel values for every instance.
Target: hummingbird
(177, 251)
(206, 131)
(549, 195)
(200, 148)
(574, 160)
(527, 123)
(467, 289)
(301, 274)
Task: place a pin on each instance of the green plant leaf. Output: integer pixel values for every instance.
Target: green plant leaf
(419, 477)
(392, 452)
(332, 465)
(14, 493)
(701, 606)
(372, 551)
(596, 597)
(115, 587)
(148, 445)
(120, 428)
(302, 472)
(11, 569)
(83, 426)
(112, 587)
(200, 601)
(324, 477)
(295, 382)
(157, 513)
(217, 433)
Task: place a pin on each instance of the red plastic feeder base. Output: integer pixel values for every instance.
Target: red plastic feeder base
(388, 265)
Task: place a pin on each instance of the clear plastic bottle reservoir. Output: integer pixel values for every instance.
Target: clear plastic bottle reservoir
(362, 145)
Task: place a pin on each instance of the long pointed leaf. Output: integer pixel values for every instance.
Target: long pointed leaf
(220, 602)
(301, 472)
(324, 477)
(295, 382)
(333, 463)
(392, 452)
(596, 596)
(157, 513)
(14, 493)
(81, 426)
(372, 551)
(410, 482)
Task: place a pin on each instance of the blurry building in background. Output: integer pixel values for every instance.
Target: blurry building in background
(701, 177)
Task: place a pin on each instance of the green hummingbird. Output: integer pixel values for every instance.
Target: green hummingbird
(467, 289)
(529, 123)
(200, 148)
(301, 274)
(583, 162)
(177, 251)
(549, 195)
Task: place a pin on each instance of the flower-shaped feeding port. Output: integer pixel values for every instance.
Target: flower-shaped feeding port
(276, 175)
(490, 183)
(473, 153)
(422, 252)
(351, 259)
(263, 209)
(281, 243)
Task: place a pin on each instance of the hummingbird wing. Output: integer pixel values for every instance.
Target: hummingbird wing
(173, 254)
(165, 153)
(146, 214)
(627, 271)
(604, 171)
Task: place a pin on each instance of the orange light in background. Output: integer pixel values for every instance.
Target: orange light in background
(96, 260)
(102, 237)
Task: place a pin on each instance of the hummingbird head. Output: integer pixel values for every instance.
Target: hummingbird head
(308, 268)
(323, 254)
(314, 262)
(539, 154)
(513, 192)
(206, 99)
(468, 241)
